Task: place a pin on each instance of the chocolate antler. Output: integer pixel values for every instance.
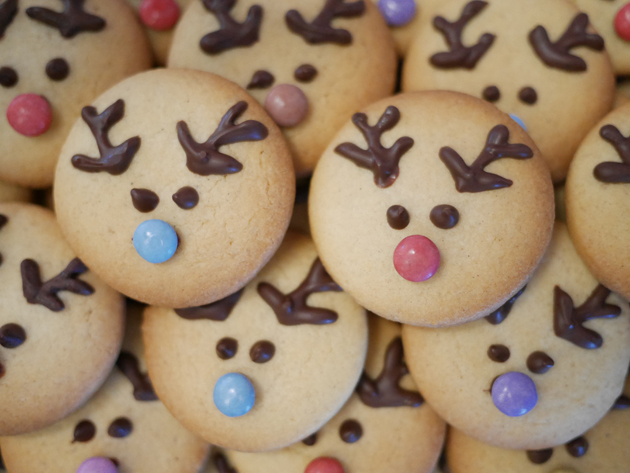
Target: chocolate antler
(37, 292)
(568, 321)
(292, 309)
(231, 34)
(3, 221)
(71, 21)
(558, 54)
(474, 178)
(460, 55)
(385, 391)
(113, 160)
(8, 10)
(204, 158)
(320, 29)
(142, 387)
(221, 463)
(383, 162)
(499, 315)
(217, 311)
(612, 172)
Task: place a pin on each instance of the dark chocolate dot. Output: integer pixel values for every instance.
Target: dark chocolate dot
(262, 351)
(144, 200)
(310, 440)
(8, 77)
(491, 93)
(120, 428)
(57, 69)
(397, 217)
(577, 447)
(186, 198)
(350, 431)
(622, 402)
(12, 335)
(444, 216)
(539, 362)
(84, 431)
(261, 80)
(305, 73)
(499, 353)
(115, 461)
(538, 457)
(227, 348)
(528, 95)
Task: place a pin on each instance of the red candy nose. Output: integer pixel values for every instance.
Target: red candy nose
(324, 465)
(622, 22)
(287, 105)
(29, 114)
(416, 258)
(160, 15)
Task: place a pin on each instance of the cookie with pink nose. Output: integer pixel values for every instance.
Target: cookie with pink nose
(423, 201)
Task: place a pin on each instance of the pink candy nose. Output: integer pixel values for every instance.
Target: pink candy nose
(622, 22)
(287, 105)
(159, 15)
(97, 465)
(416, 258)
(324, 465)
(29, 114)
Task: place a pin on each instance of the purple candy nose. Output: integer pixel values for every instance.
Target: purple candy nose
(514, 394)
(97, 465)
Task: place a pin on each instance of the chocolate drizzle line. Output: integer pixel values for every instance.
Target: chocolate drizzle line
(383, 162)
(57, 69)
(8, 10)
(231, 33)
(3, 221)
(499, 315)
(578, 447)
(460, 55)
(558, 54)
(84, 431)
(397, 217)
(350, 431)
(12, 335)
(538, 457)
(622, 402)
(262, 351)
(491, 93)
(226, 348)
(498, 353)
(293, 309)
(221, 463)
(128, 364)
(320, 30)
(444, 216)
(144, 200)
(186, 198)
(474, 178)
(217, 311)
(71, 21)
(310, 440)
(113, 160)
(305, 73)
(613, 172)
(568, 320)
(528, 95)
(120, 428)
(385, 391)
(261, 80)
(539, 362)
(205, 159)
(37, 292)
(8, 77)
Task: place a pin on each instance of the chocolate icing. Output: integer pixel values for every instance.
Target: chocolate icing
(305, 73)
(12, 335)
(350, 431)
(261, 80)
(2, 370)
(8, 77)
(217, 311)
(231, 33)
(538, 457)
(558, 54)
(205, 159)
(474, 178)
(622, 402)
(320, 30)
(57, 69)
(120, 428)
(71, 21)
(383, 162)
(578, 447)
(8, 10)
(614, 172)
(3, 221)
(568, 321)
(528, 95)
(292, 308)
(227, 348)
(491, 93)
(385, 391)
(113, 160)
(310, 440)
(444, 216)
(84, 431)
(262, 351)
(1, 461)
(499, 315)
(499, 353)
(460, 56)
(397, 217)
(37, 292)
(144, 200)
(128, 364)
(186, 198)
(539, 362)
(221, 463)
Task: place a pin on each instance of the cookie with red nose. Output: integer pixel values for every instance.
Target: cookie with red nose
(421, 202)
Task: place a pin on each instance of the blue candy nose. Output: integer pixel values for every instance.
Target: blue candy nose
(155, 240)
(514, 394)
(519, 121)
(234, 395)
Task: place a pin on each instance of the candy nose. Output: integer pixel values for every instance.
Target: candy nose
(416, 258)
(324, 465)
(287, 105)
(518, 120)
(97, 465)
(159, 15)
(155, 241)
(234, 394)
(397, 12)
(29, 114)
(514, 394)
(622, 22)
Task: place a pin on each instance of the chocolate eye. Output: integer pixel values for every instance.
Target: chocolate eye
(499, 353)
(84, 431)
(397, 217)
(491, 93)
(538, 457)
(120, 428)
(350, 431)
(528, 95)
(261, 80)
(577, 447)
(539, 362)
(186, 198)
(144, 200)
(310, 440)
(57, 69)
(8, 77)
(444, 216)
(262, 351)
(305, 73)
(12, 335)
(227, 348)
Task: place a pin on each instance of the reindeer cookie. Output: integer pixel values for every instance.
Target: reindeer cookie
(312, 64)
(420, 205)
(60, 326)
(124, 428)
(538, 372)
(597, 199)
(55, 57)
(175, 187)
(268, 365)
(539, 61)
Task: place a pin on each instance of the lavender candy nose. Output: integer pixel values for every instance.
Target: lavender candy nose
(287, 105)
(514, 394)
(97, 465)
